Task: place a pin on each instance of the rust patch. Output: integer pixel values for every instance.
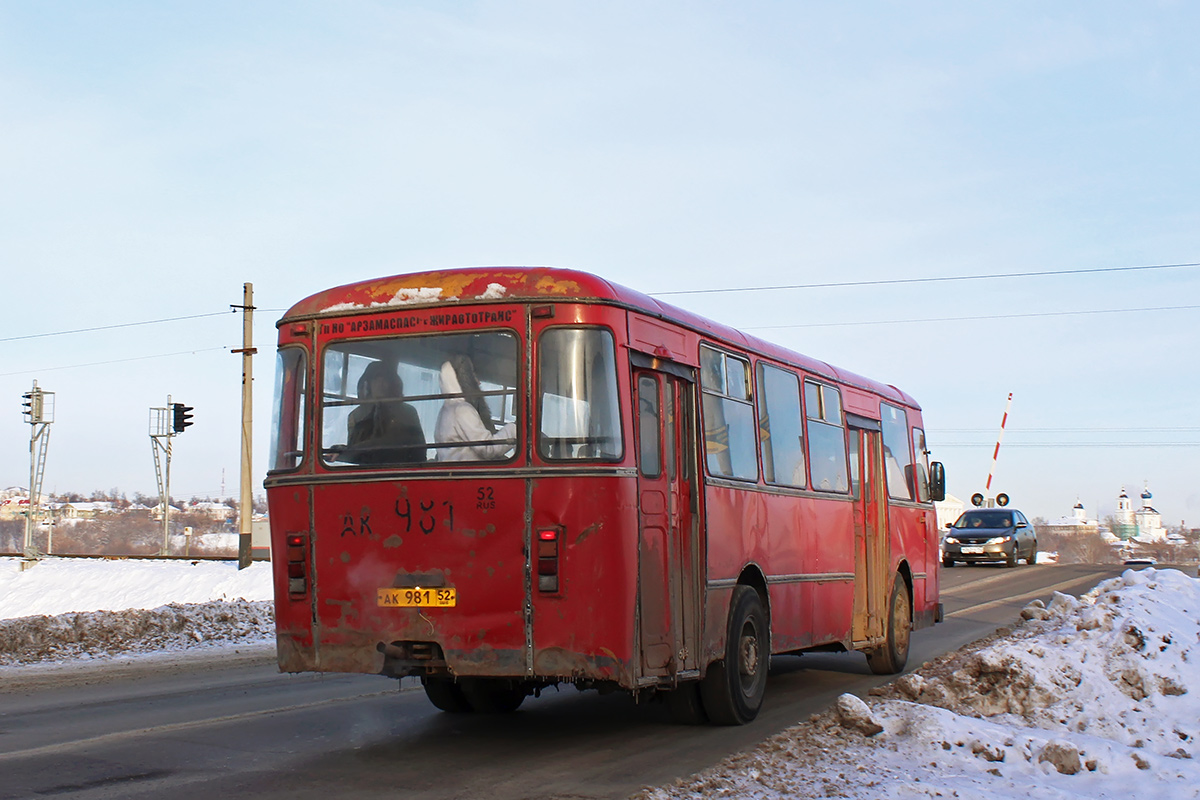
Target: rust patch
(451, 284)
(548, 285)
(392, 541)
(588, 531)
(345, 557)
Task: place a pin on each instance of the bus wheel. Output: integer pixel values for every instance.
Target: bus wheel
(445, 694)
(685, 704)
(493, 695)
(891, 656)
(733, 688)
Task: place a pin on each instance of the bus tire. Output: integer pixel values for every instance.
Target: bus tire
(493, 695)
(686, 705)
(733, 688)
(446, 695)
(891, 656)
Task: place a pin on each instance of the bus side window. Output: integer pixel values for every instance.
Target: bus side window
(826, 438)
(898, 462)
(922, 464)
(729, 440)
(780, 426)
(649, 456)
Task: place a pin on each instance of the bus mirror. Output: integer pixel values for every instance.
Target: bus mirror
(937, 481)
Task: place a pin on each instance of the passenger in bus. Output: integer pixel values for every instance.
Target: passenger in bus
(465, 417)
(383, 429)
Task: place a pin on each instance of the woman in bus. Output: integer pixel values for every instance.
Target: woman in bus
(383, 429)
(465, 417)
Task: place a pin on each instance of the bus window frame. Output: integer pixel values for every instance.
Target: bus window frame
(820, 419)
(535, 399)
(749, 401)
(303, 420)
(518, 391)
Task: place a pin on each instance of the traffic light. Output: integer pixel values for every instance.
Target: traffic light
(181, 417)
(32, 406)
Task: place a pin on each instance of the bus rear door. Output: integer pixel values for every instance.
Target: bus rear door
(872, 563)
(668, 526)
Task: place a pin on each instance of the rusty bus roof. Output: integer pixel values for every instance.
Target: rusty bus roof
(507, 284)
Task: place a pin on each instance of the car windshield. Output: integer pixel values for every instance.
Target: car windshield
(985, 519)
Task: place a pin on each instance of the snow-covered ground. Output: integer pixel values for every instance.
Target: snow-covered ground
(1091, 698)
(1097, 697)
(65, 609)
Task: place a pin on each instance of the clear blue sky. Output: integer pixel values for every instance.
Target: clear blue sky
(156, 155)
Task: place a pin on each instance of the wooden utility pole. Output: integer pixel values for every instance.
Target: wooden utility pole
(246, 503)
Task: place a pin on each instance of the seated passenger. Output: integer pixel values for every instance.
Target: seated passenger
(465, 417)
(383, 429)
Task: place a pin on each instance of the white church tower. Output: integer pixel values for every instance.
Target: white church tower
(1149, 521)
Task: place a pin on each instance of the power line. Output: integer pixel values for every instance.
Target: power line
(133, 324)
(978, 318)
(943, 279)
(114, 361)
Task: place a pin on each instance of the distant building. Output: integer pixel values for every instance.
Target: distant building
(85, 510)
(948, 510)
(210, 509)
(1076, 522)
(1148, 521)
(1124, 526)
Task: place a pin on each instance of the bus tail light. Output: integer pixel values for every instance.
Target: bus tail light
(297, 565)
(547, 560)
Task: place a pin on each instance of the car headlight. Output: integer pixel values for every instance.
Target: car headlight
(950, 540)
(998, 540)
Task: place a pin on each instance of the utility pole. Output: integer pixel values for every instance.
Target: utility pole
(246, 500)
(165, 423)
(39, 413)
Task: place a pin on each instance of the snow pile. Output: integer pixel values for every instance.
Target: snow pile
(406, 297)
(90, 634)
(1095, 697)
(494, 291)
(63, 609)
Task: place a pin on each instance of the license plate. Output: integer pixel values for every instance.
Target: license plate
(972, 549)
(417, 597)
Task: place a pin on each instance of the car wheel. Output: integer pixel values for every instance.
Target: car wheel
(1032, 555)
(1012, 557)
(947, 562)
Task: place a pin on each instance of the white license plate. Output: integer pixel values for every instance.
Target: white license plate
(972, 550)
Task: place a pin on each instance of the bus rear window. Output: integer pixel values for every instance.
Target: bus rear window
(287, 427)
(579, 417)
(413, 400)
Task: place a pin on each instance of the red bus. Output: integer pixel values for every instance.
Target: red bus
(503, 479)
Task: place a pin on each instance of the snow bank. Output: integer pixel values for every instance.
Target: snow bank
(64, 609)
(93, 634)
(62, 585)
(1095, 697)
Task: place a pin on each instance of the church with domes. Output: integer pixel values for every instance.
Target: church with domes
(1143, 524)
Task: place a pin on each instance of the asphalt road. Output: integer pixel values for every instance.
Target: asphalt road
(234, 727)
